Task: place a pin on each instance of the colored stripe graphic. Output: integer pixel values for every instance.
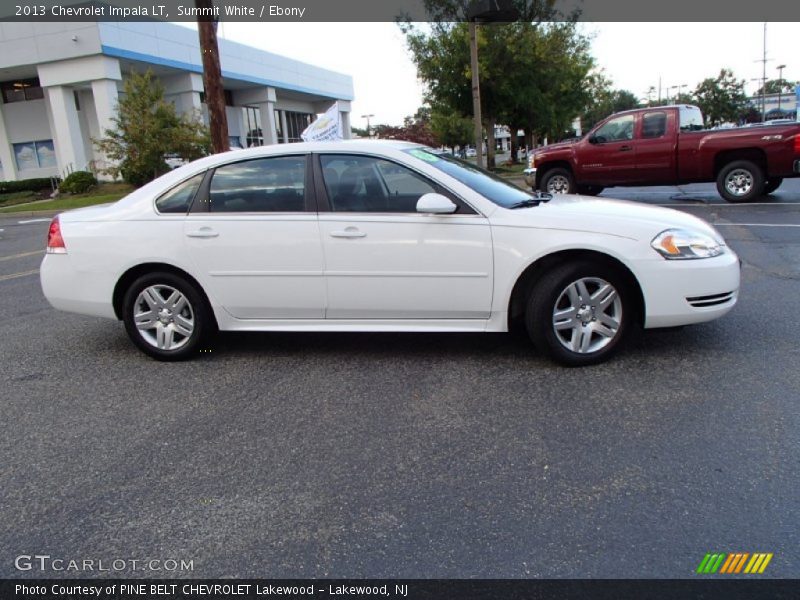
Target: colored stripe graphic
(734, 562)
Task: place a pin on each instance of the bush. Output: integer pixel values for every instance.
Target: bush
(25, 185)
(78, 182)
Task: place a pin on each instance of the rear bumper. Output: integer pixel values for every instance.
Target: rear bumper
(67, 288)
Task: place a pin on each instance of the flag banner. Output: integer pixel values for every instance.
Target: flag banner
(326, 128)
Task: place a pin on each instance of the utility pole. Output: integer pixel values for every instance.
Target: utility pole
(212, 76)
(764, 62)
(476, 92)
(367, 117)
(780, 84)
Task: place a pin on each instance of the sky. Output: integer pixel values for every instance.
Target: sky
(633, 55)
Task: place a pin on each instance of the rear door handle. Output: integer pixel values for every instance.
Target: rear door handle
(203, 232)
(350, 232)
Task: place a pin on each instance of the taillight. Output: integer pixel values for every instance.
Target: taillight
(55, 241)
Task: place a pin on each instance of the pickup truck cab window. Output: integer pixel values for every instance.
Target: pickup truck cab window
(691, 118)
(654, 125)
(615, 130)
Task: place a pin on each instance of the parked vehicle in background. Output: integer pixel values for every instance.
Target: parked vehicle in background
(380, 236)
(471, 153)
(668, 145)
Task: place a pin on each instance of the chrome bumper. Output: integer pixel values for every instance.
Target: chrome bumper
(530, 177)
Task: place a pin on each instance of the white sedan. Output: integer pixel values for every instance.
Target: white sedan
(380, 236)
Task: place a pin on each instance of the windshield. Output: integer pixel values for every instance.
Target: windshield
(490, 186)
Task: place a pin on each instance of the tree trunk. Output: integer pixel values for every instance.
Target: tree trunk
(212, 79)
(490, 143)
(528, 139)
(514, 146)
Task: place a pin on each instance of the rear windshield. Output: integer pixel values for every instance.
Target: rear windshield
(691, 118)
(490, 186)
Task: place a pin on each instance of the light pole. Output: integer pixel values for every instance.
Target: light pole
(367, 117)
(780, 84)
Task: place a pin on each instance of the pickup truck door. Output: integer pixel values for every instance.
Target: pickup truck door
(608, 155)
(656, 149)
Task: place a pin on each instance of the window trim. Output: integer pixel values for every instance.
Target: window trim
(325, 205)
(191, 202)
(202, 202)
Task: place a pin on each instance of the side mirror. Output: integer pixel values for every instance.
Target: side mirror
(435, 204)
(592, 139)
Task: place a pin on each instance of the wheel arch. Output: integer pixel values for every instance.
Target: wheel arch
(754, 155)
(529, 277)
(132, 274)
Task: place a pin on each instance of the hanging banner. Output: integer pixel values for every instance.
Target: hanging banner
(326, 128)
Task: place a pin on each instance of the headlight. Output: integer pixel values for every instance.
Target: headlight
(532, 162)
(683, 244)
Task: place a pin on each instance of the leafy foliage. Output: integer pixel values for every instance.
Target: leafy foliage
(25, 185)
(78, 182)
(605, 101)
(451, 129)
(415, 129)
(721, 98)
(147, 127)
(774, 86)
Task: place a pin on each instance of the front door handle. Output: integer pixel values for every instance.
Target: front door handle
(625, 148)
(350, 232)
(203, 232)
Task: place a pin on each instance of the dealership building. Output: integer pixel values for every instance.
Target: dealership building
(60, 84)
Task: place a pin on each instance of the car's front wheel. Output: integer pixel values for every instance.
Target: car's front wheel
(579, 313)
(165, 316)
(558, 181)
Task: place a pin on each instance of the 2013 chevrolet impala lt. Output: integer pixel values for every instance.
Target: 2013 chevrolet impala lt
(380, 236)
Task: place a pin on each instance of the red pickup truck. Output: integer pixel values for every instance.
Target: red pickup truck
(668, 145)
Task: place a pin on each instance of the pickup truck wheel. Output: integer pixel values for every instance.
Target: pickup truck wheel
(558, 181)
(579, 313)
(740, 181)
(590, 190)
(772, 184)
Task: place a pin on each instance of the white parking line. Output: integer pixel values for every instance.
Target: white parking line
(32, 221)
(756, 224)
(727, 204)
(15, 275)
(20, 255)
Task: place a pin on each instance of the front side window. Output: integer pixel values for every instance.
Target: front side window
(616, 130)
(179, 199)
(274, 184)
(369, 184)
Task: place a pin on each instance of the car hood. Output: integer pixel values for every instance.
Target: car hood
(554, 147)
(620, 218)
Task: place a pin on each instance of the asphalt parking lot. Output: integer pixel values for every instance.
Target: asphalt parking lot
(410, 455)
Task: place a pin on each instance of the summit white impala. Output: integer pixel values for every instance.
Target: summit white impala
(380, 236)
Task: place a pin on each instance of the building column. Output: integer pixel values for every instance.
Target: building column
(106, 97)
(268, 125)
(67, 136)
(344, 116)
(284, 127)
(6, 154)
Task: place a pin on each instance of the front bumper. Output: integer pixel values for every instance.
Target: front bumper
(530, 177)
(682, 292)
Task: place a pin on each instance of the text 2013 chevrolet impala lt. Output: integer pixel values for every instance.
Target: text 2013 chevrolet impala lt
(380, 236)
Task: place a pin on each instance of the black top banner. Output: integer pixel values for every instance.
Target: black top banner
(411, 10)
(409, 589)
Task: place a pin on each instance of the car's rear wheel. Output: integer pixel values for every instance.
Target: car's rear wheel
(740, 181)
(579, 313)
(166, 316)
(558, 181)
(772, 184)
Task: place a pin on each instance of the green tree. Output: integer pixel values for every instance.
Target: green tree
(416, 128)
(605, 101)
(451, 129)
(773, 86)
(721, 98)
(147, 128)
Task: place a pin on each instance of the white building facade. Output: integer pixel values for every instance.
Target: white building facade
(60, 84)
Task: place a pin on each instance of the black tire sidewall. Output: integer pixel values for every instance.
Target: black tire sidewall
(196, 300)
(542, 300)
(772, 184)
(558, 171)
(756, 173)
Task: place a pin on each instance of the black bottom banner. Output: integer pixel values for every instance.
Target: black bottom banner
(412, 589)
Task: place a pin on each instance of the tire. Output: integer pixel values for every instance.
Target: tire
(590, 190)
(772, 184)
(740, 181)
(565, 325)
(558, 181)
(180, 323)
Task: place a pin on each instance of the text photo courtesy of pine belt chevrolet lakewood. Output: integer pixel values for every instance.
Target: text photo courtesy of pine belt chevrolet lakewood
(669, 146)
(380, 236)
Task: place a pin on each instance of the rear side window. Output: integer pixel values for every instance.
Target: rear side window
(260, 185)
(654, 125)
(179, 198)
(691, 118)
